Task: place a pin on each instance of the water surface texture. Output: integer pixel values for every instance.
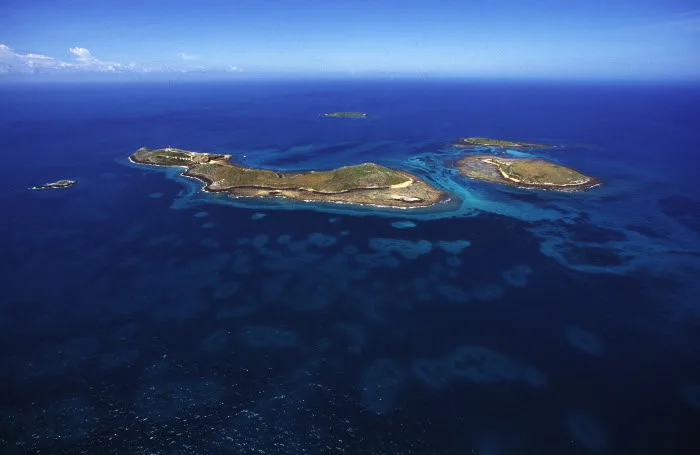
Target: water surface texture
(141, 316)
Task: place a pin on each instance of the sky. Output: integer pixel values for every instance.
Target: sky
(560, 39)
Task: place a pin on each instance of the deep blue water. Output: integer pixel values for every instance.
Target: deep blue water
(142, 316)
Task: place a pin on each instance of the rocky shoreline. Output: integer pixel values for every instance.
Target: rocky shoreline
(375, 185)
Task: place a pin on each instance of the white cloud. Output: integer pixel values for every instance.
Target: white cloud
(12, 61)
(86, 61)
(17, 62)
(82, 54)
(186, 56)
(38, 57)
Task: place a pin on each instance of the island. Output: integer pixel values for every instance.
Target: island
(363, 184)
(346, 114)
(488, 142)
(524, 172)
(54, 185)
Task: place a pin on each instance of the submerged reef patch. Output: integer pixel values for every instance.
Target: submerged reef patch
(259, 241)
(321, 240)
(453, 261)
(518, 276)
(376, 260)
(453, 246)
(481, 364)
(488, 292)
(452, 293)
(477, 364)
(406, 248)
(404, 224)
(432, 372)
(682, 209)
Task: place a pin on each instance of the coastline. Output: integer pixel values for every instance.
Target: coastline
(402, 202)
(464, 169)
(474, 142)
(564, 187)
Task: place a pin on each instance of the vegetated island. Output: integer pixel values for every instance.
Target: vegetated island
(346, 114)
(488, 142)
(54, 185)
(525, 172)
(367, 184)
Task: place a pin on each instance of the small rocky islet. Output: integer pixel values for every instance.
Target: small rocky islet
(525, 173)
(346, 114)
(59, 184)
(467, 142)
(522, 172)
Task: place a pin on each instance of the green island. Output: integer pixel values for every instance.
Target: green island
(525, 172)
(55, 185)
(365, 184)
(346, 114)
(488, 142)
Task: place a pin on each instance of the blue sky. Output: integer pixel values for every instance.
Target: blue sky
(591, 39)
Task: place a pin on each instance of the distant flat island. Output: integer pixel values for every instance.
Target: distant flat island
(365, 184)
(55, 185)
(525, 172)
(345, 114)
(488, 142)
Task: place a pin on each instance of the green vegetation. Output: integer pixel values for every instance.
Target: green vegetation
(175, 157)
(525, 172)
(346, 114)
(335, 181)
(172, 154)
(540, 172)
(367, 183)
(488, 142)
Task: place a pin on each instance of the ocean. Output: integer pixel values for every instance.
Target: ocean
(143, 316)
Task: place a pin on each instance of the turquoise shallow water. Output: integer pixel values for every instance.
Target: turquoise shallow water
(141, 315)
